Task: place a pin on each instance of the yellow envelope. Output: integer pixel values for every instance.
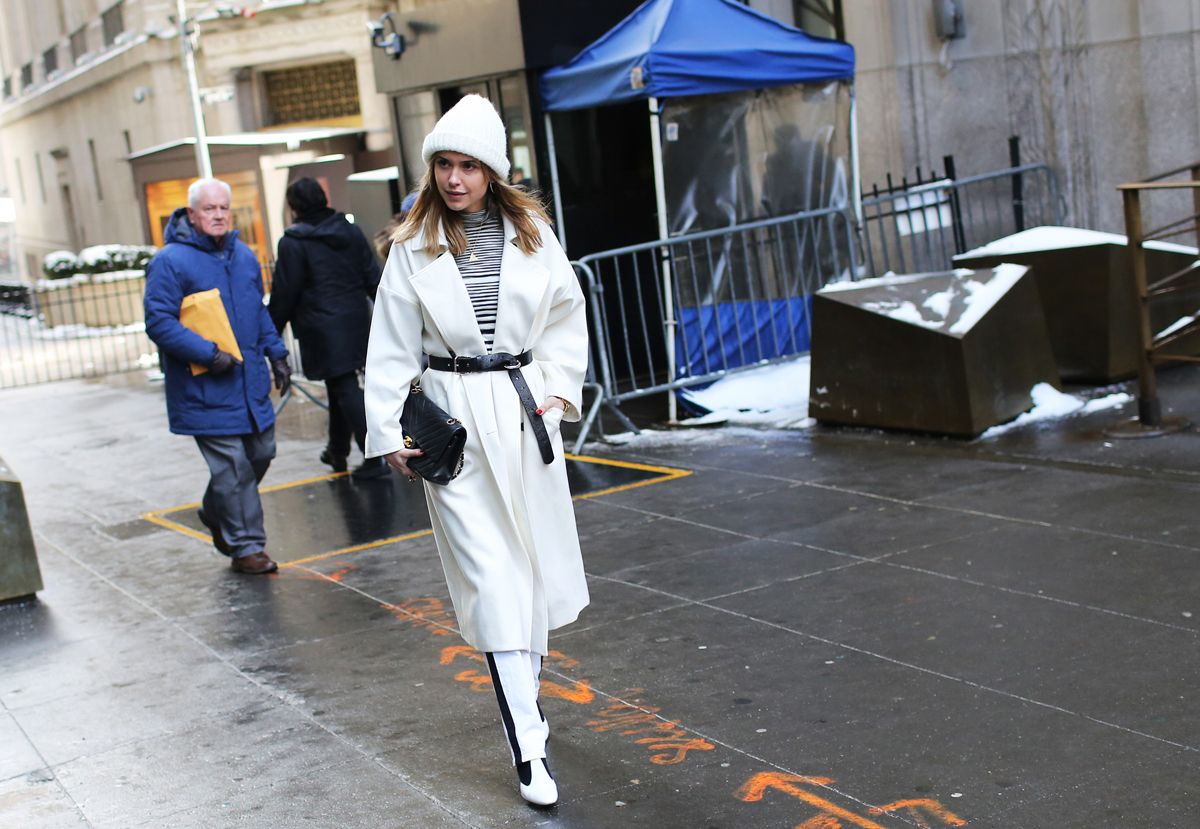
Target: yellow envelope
(204, 313)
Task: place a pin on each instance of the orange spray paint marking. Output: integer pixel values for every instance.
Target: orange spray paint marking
(338, 575)
(452, 652)
(674, 751)
(479, 682)
(916, 807)
(821, 822)
(428, 613)
(579, 693)
(670, 746)
(752, 791)
(560, 660)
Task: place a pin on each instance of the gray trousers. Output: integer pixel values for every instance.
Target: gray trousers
(236, 465)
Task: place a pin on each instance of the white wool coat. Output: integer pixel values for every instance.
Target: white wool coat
(505, 527)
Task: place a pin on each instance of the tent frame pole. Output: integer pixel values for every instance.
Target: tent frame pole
(660, 196)
(855, 168)
(559, 225)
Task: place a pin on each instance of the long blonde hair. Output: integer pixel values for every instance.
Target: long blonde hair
(430, 210)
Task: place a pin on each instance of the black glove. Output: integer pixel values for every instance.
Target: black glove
(221, 362)
(282, 372)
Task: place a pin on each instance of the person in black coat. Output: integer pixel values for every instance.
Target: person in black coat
(325, 278)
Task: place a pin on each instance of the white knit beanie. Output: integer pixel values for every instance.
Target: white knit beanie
(473, 128)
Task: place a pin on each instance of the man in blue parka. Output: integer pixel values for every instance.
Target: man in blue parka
(228, 408)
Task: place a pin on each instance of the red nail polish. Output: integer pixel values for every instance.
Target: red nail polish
(539, 411)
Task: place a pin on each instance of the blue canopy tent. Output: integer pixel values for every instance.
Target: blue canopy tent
(677, 48)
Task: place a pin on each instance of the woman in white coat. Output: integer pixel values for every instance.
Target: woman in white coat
(477, 282)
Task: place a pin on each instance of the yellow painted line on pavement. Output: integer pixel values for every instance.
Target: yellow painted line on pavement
(665, 473)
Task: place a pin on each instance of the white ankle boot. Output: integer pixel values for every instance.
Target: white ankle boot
(541, 790)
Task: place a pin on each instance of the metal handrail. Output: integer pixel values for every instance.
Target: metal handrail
(1152, 349)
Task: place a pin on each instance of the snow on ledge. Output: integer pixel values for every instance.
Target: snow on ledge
(1051, 237)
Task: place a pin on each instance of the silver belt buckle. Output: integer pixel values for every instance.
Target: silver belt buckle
(454, 363)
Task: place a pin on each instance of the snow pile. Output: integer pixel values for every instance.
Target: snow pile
(774, 395)
(1050, 403)
(1050, 237)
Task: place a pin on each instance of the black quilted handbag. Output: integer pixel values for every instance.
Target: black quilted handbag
(426, 426)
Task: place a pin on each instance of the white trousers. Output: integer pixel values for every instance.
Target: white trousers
(515, 676)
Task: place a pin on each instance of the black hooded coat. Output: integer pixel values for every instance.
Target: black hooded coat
(325, 275)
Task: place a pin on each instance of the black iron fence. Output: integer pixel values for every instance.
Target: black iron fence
(920, 225)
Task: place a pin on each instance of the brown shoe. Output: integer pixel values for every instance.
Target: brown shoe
(255, 564)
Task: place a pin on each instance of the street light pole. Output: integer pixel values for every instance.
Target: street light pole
(203, 162)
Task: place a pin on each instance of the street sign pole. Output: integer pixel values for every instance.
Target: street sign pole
(203, 162)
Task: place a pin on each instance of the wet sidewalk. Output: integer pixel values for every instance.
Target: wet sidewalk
(820, 628)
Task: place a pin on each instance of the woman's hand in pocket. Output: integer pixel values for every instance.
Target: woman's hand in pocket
(552, 412)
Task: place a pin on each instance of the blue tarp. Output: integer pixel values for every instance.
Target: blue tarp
(735, 334)
(692, 47)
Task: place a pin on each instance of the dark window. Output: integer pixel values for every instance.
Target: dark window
(113, 23)
(95, 170)
(26, 76)
(8, 87)
(50, 60)
(78, 44)
(20, 180)
(311, 93)
(41, 178)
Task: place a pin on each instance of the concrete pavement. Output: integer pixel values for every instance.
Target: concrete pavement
(820, 628)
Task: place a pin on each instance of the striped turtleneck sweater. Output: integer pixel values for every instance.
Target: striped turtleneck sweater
(479, 265)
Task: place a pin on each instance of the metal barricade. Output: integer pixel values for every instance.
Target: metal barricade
(688, 310)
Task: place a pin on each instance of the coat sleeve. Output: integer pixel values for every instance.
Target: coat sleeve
(393, 356)
(287, 281)
(368, 265)
(562, 350)
(269, 341)
(163, 298)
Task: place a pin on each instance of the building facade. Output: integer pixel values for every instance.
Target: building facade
(1104, 93)
(93, 90)
(94, 119)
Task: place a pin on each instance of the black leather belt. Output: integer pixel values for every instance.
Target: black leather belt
(503, 361)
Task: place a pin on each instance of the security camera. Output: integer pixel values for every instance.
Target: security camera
(393, 42)
(140, 94)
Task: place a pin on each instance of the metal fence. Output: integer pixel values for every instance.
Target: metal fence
(667, 315)
(72, 328)
(680, 313)
(918, 227)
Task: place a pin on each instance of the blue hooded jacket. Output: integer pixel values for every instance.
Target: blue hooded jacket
(237, 402)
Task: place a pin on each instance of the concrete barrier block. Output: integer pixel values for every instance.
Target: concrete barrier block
(1085, 280)
(20, 575)
(951, 353)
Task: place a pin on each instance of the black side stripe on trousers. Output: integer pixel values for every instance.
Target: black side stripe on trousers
(510, 728)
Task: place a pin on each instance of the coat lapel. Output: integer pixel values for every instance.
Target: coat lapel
(522, 289)
(444, 297)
